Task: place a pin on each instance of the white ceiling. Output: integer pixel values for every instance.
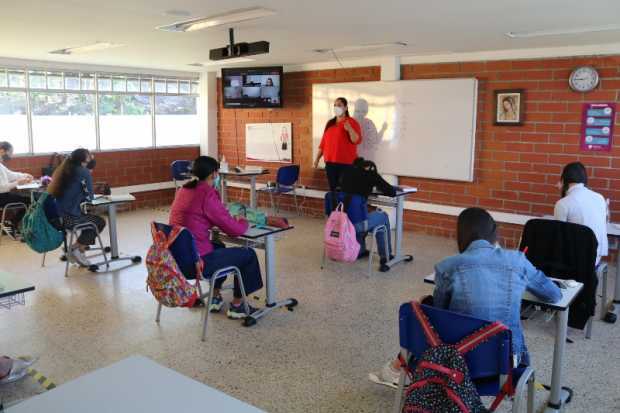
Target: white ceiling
(30, 29)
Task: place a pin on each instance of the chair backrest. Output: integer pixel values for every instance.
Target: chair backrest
(180, 170)
(183, 250)
(356, 206)
(288, 175)
(491, 358)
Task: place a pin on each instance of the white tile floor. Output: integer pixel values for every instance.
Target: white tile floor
(313, 359)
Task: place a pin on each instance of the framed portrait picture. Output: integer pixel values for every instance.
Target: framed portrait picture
(509, 107)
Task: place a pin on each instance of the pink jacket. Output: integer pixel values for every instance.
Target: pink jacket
(199, 209)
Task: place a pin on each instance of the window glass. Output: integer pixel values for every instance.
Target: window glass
(184, 87)
(104, 84)
(173, 86)
(146, 86)
(133, 85)
(72, 81)
(176, 120)
(119, 84)
(37, 80)
(3, 79)
(125, 121)
(194, 88)
(17, 78)
(54, 81)
(88, 82)
(13, 120)
(160, 86)
(62, 121)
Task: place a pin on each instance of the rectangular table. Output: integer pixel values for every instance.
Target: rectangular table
(398, 202)
(12, 290)
(558, 394)
(243, 175)
(262, 238)
(613, 311)
(135, 384)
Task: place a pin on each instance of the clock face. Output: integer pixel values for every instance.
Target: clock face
(583, 79)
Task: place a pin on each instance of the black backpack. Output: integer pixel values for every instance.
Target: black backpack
(441, 382)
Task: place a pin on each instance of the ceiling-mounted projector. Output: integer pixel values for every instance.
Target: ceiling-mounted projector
(234, 50)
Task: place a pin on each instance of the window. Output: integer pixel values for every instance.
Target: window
(62, 121)
(14, 120)
(176, 120)
(125, 121)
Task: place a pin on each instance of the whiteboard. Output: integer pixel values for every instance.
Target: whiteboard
(416, 128)
(269, 142)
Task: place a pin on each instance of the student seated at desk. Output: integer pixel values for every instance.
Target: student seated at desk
(72, 185)
(197, 207)
(484, 281)
(580, 205)
(9, 180)
(361, 179)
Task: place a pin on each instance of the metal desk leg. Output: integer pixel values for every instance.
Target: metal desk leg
(398, 248)
(613, 312)
(253, 192)
(271, 289)
(223, 189)
(558, 395)
(115, 255)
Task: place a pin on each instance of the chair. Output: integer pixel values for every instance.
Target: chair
(286, 179)
(53, 216)
(6, 227)
(180, 171)
(184, 252)
(356, 207)
(489, 364)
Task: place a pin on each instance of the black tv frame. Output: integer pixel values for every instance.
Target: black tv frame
(235, 70)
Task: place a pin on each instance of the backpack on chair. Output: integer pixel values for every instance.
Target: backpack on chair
(339, 235)
(441, 382)
(165, 280)
(37, 231)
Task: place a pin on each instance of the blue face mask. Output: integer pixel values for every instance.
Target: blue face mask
(217, 181)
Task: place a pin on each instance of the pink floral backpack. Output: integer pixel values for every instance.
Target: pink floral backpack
(165, 280)
(340, 241)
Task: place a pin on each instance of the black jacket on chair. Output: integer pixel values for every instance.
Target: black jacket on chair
(568, 251)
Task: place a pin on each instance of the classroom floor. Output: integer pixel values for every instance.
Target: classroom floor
(313, 359)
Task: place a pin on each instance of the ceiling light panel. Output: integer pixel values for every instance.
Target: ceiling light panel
(232, 17)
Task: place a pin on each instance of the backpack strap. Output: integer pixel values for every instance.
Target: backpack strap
(160, 236)
(334, 201)
(474, 340)
(429, 332)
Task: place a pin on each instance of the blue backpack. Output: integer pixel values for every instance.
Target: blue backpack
(37, 231)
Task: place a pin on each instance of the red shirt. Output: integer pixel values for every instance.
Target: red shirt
(336, 143)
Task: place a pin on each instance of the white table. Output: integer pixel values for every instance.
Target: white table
(613, 311)
(12, 290)
(558, 395)
(133, 385)
(262, 238)
(246, 174)
(110, 202)
(398, 202)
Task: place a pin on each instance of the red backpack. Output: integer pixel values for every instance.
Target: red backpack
(165, 280)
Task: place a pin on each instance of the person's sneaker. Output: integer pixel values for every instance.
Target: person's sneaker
(79, 257)
(237, 312)
(19, 370)
(387, 376)
(216, 304)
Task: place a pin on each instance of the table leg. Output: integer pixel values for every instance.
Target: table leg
(398, 236)
(112, 230)
(613, 311)
(253, 192)
(223, 189)
(558, 395)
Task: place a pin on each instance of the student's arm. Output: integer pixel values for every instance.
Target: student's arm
(319, 155)
(17, 176)
(560, 211)
(539, 284)
(218, 215)
(10, 181)
(383, 186)
(354, 131)
(87, 178)
(442, 294)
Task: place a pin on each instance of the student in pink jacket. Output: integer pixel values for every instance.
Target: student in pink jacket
(197, 207)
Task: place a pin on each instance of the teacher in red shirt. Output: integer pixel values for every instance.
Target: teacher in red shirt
(339, 143)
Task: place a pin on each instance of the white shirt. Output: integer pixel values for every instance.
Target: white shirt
(7, 177)
(585, 207)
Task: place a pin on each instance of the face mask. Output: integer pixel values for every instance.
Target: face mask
(217, 181)
(6, 157)
(338, 110)
(91, 164)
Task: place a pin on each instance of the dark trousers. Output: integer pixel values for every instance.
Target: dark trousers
(15, 217)
(86, 237)
(243, 258)
(334, 171)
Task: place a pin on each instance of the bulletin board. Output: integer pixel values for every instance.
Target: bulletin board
(269, 142)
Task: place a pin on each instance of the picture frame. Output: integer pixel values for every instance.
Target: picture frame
(509, 107)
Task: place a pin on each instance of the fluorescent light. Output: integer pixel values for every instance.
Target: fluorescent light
(559, 32)
(223, 62)
(87, 48)
(235, 16)
(362, 47)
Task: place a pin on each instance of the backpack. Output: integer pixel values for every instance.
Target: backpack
(252, 215)
(441, 382)
(165, 280)
(37, 231)
(339, 236)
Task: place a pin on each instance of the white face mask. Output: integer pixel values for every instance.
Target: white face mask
(338, 110)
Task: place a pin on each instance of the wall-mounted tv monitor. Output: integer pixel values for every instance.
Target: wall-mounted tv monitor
(255, 87)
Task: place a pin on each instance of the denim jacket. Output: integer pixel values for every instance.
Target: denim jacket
(488, 282)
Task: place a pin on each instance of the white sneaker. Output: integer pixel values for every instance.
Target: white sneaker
(19, 370)
(80, 258)
(387, 376)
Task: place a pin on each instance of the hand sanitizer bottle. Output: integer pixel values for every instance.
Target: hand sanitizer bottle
(224, 164)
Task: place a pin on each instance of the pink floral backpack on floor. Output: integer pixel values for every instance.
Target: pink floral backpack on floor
(340, 241)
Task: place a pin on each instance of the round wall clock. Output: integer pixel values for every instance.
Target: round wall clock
(583, 79)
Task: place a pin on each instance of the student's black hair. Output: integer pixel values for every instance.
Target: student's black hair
(202, 168)
(64, 174)
(333, 120)
(6, 146)
(573, 173)
(474, 224)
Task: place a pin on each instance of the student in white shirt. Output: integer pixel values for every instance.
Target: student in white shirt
(9, 181)
(581, 205)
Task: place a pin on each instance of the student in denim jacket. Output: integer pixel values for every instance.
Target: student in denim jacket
(484, 281)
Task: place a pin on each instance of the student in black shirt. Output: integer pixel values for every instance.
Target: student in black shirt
(362, 179)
